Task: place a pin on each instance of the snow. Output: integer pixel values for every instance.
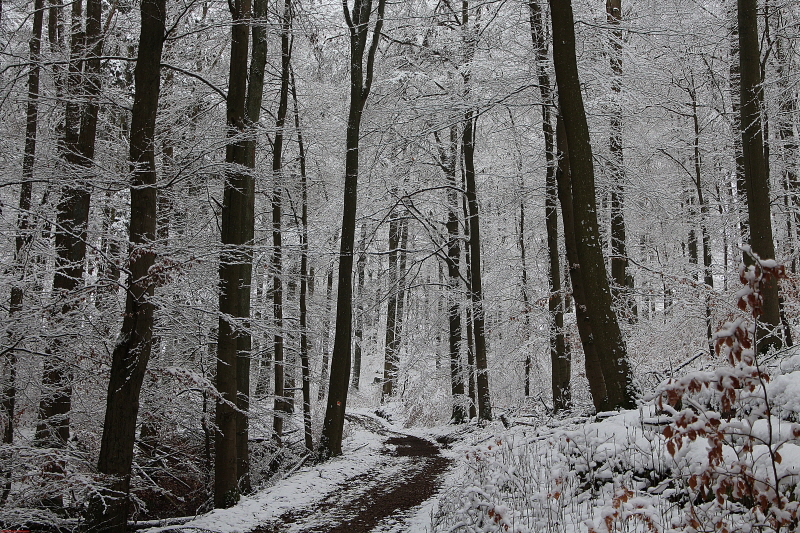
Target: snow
(363, 454)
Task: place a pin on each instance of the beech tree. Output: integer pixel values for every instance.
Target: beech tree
(361, 78)
(755, 170)
(108, 509)
(605, 333)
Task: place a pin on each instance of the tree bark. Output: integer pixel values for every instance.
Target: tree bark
(235, 265)
(108, 510)
(592, 365)
(476, 281)
(21, 241)
(448, 160)
(560, 362)
(735, 86)
(359, 329)
(755, 170)
(390, 357)
(282, 403)
(605, 328)
(326, 336)
(619, 258)
(72, 214)
(360, 85)
(305, 290)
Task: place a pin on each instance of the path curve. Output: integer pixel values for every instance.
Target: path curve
(409, 475)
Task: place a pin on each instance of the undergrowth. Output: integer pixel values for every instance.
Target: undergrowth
(714, 450)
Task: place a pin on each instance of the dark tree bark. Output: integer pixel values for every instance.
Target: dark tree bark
(560, 361)
(235, 265)
(755, 170)
(471, 368)
(619, 257)
(360, 85)
(476, 281)
(108, 511)
(282, 403)
(448, 161)
(21, 241)
(326, 336)
(359, 327)
(735, 83)
(390, 358)
(605, 328)
(594, 369)
(306, 288)
(72, 215)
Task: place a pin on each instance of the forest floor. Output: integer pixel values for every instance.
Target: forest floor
(385, 481)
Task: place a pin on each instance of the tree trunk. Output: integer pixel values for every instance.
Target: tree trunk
(755, 171)
(560, 361)
(735, 85)
(390, 349)
(72, 215)
(360, 85)
(619, 258)
(306, 288)
(594, 369)
(476, 284)
(326, 336)
(21, 242)
(605, 328)
(282, 403)
(448, 156)
(359, 332)
(234, 267)
(471, 367)
(108, 510)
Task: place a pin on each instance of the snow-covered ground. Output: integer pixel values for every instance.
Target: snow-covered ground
(318, 497)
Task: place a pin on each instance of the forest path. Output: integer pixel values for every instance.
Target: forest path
(379, 500)
(383, 482)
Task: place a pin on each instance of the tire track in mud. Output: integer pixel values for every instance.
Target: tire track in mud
(409, 476)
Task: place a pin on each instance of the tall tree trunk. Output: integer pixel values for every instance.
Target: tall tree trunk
(592, 364)
(360, 85)
(735, 86)
(326, 336)
(560, 361)
(619, 257)
(476, 281)
(235, 265)
(708, 277)
(359, 329)
(390, 358)
(605, 328)
(72, 213)
(448, 156)
(471, 367)
(108, 510)
(21, 242)
(282, 403)
(305, 289)
(755, 170)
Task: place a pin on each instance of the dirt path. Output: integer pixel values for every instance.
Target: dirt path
(380, 499)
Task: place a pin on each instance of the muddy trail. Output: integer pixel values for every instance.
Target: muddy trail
(379, 500)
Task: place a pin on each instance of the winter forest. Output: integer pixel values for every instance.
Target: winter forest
(425, 266)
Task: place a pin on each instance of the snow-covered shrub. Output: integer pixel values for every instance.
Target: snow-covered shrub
(736, 456)
(714, 451)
